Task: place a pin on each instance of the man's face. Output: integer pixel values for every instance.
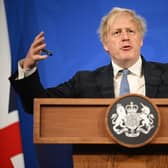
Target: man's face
(124, 41)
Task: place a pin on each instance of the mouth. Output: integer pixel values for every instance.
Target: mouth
(126, 48)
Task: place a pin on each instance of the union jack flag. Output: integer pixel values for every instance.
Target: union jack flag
(11, 155)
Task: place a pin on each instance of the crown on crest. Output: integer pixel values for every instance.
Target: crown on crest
(131, 108)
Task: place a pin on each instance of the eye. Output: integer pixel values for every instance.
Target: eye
(116, 33)
(130, 31)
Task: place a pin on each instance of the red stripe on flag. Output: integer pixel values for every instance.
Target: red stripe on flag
(10, 144)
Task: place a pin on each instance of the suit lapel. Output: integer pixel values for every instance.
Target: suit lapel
(152, 79)
(105, 82)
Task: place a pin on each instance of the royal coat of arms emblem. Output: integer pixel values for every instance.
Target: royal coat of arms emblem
(133, 120)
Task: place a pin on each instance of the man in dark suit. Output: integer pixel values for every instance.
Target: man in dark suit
(121, 32)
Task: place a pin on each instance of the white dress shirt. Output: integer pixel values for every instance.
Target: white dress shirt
(135, 78)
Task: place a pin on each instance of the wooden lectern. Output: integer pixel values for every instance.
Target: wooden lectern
(82, 122)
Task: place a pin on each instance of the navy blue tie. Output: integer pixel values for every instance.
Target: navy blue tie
(124, 85)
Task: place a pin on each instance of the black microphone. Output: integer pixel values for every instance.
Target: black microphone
(47, 52)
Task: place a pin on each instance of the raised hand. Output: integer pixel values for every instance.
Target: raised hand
(34, 53)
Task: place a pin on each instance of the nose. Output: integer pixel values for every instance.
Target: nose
(125, 36)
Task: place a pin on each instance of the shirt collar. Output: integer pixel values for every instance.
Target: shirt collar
(135, 69)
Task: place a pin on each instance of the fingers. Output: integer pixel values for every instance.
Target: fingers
(33, 55)
(38, 43)
(41, 34)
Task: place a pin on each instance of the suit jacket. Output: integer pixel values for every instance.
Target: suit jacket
(90, 84)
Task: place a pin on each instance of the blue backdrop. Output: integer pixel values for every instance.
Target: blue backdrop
(71, 33)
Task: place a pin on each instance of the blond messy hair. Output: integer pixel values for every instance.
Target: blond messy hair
(109, 18)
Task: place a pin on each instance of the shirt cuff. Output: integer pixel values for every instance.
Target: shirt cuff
(23, 73)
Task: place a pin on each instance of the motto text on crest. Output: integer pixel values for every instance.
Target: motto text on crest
(132, 120)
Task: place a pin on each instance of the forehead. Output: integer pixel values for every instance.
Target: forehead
(122, 20)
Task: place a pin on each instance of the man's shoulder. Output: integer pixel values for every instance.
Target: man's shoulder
(97, 70)
(157, 65)
(157, 69)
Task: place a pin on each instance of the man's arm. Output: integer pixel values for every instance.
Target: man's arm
(26, 80)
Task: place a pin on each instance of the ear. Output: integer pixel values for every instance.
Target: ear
(105, 47)
(141, 42)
